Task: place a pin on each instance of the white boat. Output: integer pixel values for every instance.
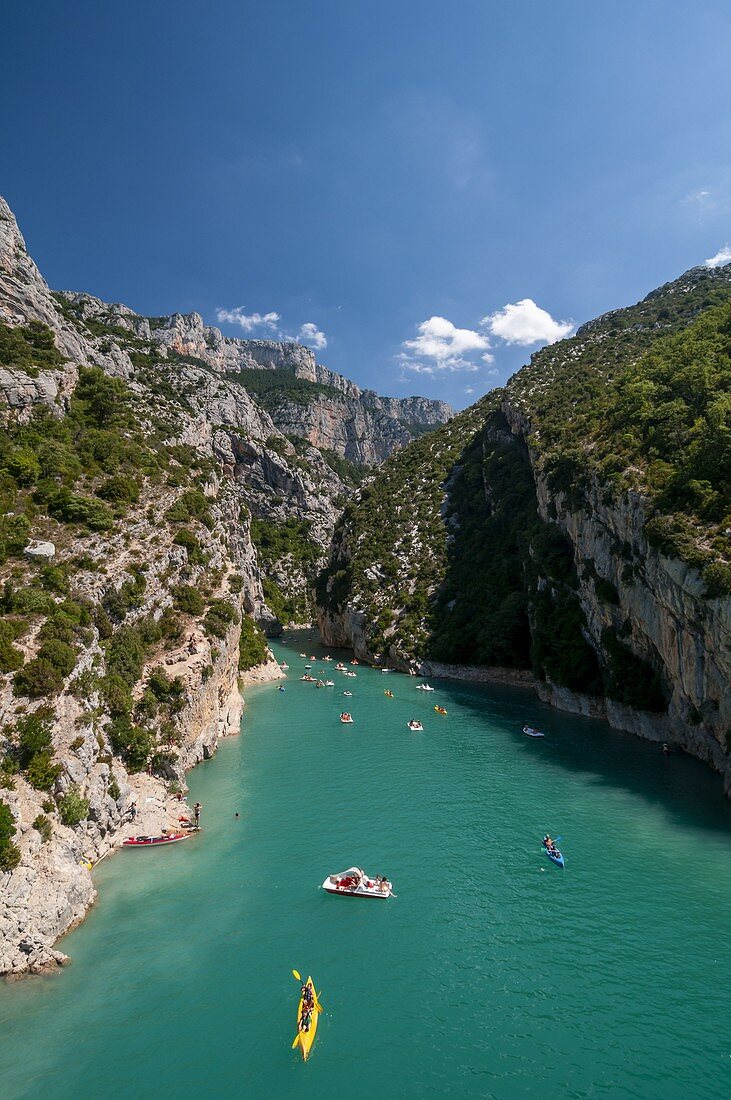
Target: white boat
(355, 883)
(329, 683)
(284, 666)
(349, 694)
(346, 719)
(327, 658)
(303, 655)
(532, 732)
(351, 674)
(415, 725)
(386, 670)
(340, 667)
(424, 687)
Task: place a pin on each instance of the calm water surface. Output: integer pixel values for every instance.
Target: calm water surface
(493, 974)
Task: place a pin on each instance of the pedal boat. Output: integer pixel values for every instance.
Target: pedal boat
(355, 883)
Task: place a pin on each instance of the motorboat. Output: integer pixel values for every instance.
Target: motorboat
(424, 687)
(329, 683)
(531, 732)
(348, 694)
(355, 883)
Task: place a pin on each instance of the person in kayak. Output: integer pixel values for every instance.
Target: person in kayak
(307, 998)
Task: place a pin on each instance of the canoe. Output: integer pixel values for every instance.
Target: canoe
(305, 1039)
(150, 841)
(555, 857)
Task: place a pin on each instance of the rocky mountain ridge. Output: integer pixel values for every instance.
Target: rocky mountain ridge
(574, 528)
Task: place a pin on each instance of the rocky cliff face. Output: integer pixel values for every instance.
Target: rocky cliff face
(573, 526)
(180, 488)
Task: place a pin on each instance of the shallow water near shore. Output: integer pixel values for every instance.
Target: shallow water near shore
(492, 974)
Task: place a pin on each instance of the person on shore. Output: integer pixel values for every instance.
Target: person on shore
(197, 814)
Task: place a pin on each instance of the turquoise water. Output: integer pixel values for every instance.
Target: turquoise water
(492, 974)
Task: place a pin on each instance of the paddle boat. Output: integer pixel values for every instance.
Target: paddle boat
(340, 667)
(307, 678)
(284, 666)
(424, 687)
(355, 883)
(348, 694)
(553, 853)
(355, 662)
(307, 1021)
(328, 658)
(346, 718)
(440, 710)
(303, 655)
(152, 841)
(415, 724)
(531, 732)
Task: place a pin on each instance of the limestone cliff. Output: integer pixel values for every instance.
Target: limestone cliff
(574, 526)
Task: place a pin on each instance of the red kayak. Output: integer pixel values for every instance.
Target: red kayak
(149, 841)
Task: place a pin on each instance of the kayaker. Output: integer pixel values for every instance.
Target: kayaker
(307, 997)
(548, 843)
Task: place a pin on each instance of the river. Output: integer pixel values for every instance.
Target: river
(491, 974)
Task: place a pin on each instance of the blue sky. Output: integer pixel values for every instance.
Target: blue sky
(385, 177)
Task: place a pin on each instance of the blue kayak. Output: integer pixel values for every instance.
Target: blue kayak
(555, 856)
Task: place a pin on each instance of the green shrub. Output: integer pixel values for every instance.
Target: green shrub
(59, 654)
(54, 578)
(11, 657)
(718, 580)
(133, 743)
(219, 617)
(70, 507)
(29, 348)
(252, 645)
(113, 790)
(37, 679)
(72, 808)
(42, 772)
(188, 599)
(120, 489)
(9, 852)
(44, 826)
(190, 543)
(192, 504)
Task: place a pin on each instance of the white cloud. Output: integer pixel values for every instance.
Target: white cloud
(444, 346)
(526, 323)
(249, 322)
(313, 336)
(723, 256)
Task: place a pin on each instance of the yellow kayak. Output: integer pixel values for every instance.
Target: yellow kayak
(305, 1039)
(439, 710)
